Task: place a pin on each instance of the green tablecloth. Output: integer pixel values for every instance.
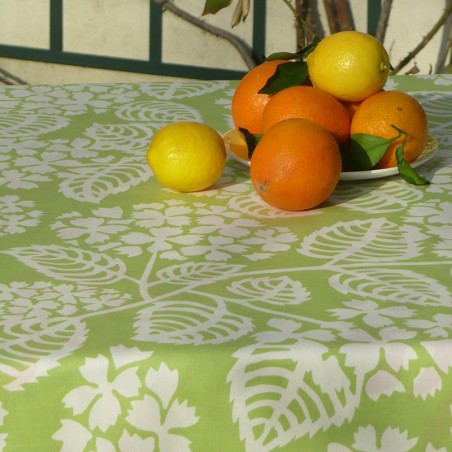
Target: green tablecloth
(134, 318)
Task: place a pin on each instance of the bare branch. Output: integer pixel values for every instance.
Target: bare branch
(383, 20)
(10, 79)
(425, 40)
(242, 47)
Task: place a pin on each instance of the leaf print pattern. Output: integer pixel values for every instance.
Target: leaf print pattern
(175, 314)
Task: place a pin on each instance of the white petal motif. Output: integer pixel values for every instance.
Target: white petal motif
(163, 382)
(134, 442)
(383, 383)
(427, 382)
(80, 398)
(73, 435)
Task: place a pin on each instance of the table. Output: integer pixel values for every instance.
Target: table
(134, 318)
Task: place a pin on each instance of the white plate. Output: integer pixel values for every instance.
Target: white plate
(429, 151)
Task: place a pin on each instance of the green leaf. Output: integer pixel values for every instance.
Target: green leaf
(286, 74)
(364, 151)
(251, 140)
(281, 56)
(213, 6)
(299, 55)
(406, 171)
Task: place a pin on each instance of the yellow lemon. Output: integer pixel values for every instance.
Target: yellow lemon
(350, 65)
(187, 156)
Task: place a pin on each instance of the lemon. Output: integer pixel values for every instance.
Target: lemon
(350, 65)
(187, 156)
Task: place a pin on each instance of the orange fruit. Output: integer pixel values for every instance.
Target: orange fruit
(351, 108)
(377, 114)
(296, 165)
(236, 143)
(247, 104)
(310, 103)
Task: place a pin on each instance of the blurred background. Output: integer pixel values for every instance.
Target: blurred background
(76, 41)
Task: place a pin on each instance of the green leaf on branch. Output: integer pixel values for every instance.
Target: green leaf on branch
(213, 6)
(251, 140)
(286, 74)
(365, 151)
(406, 171)
(299, 55)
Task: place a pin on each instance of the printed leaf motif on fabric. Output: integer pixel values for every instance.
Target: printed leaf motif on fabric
(188, 273)
(16, 125)
(95, 181)
(127, 138)
(375, 198)
(45, 320)
(197, 322)
(377, 240)
(394, 285)
(22, 349)
(278, 396)
(179, 90)
(280, 290)
(70, 264)
(157, 112)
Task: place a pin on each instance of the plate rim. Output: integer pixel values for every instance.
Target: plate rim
(429, 151)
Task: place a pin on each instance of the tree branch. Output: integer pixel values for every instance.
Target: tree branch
(10, 79)
(242, 47)
(426, 39)
(383, 20)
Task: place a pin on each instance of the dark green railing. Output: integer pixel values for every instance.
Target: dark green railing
(154, 65)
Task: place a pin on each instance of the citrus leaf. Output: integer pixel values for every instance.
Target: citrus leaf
(364, 151)
(294, 55)
(282, 56)
(286, 75)
(406, 171)
(251, 140)
(213, 6)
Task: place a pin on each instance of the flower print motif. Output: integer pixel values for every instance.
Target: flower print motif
(439, 326)
(366, 440)
(3, 436)
(442, 80)
(17, 215)
(42, 164)
(173, 213)
(443, 248)
(107, 382)
(75, 438)
(119, 95)
(98, 229)
(78, 148)
(42, 301)
(371, 313)
(214, 223)
(217, 249)
(21, 147)
(272, 240)
(431, 212)
(72, 298)
(63, 101)
(146, 413)
(114, 395)
(397, 353)
(160, 239)
(14, 180)
(21, 308)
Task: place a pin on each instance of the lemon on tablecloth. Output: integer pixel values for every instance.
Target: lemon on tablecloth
(187, 156)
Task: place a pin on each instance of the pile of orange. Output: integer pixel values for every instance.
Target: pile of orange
(297, 162)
